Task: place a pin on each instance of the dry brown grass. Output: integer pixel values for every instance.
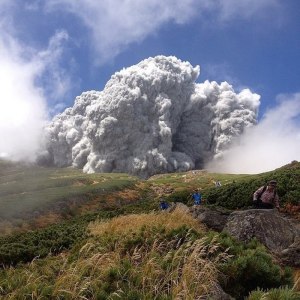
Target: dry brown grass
(191, 273)
(47, 219)
(178, 266)
(297, 280)
(19, 226)
(129, 223)
(114, 199)
(6, 228)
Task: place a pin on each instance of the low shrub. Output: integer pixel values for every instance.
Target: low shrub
(250, 267)
(179, 196)
(284, 293)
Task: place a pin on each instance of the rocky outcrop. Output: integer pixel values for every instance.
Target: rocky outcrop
(268, 226)
(279, 233)
(213, 218)
(291, 255)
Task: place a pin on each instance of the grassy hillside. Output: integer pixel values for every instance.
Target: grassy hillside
(33, 197)
(238, 194)
(28, 192)
(109, 244)
(147, 256)
(236, 190)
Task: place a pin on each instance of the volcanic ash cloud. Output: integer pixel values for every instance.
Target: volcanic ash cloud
(150, 118)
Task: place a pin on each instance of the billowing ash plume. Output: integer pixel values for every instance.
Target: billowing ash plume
(150, 118)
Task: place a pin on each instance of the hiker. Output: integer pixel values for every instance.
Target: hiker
(163, 204)
(218, 183)
(266, 196)
(197, 197)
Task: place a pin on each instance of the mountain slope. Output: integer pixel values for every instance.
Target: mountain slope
(116, 246)
(148, 256)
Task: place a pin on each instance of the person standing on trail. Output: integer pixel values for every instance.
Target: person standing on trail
(266, 196)
(197, 197)
(218, 183)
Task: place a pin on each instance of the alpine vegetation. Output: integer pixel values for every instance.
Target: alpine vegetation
(150, 118)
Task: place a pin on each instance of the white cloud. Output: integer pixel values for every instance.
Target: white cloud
(274, 142)
(56, 81)
(229, 9)
(23, 105)
(116, 24)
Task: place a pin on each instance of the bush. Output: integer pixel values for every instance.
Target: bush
(284, 293)
(179, 196)
(249, 268)
(24, 247)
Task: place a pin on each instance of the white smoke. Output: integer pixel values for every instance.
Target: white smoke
(150, 118)
(274, 142)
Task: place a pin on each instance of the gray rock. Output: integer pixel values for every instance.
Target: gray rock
(217, 293)
(178, 205)
(291, 255)
(212, 218)
(279, 233)
(271, 228)
(181, 206)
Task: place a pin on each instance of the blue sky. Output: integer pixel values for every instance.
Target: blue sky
(253, 44)
(53, 50)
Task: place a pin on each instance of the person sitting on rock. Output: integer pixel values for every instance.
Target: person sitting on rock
(266, 196)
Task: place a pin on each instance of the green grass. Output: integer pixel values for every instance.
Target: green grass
(56, 238)
(238, 194)
(26, 189)
(196, 179)
(144, 256)
(283, 293)
(236, 190)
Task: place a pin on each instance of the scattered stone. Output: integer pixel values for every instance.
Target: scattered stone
(217, 294)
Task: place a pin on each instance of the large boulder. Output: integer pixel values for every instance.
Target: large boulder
(278, 233)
